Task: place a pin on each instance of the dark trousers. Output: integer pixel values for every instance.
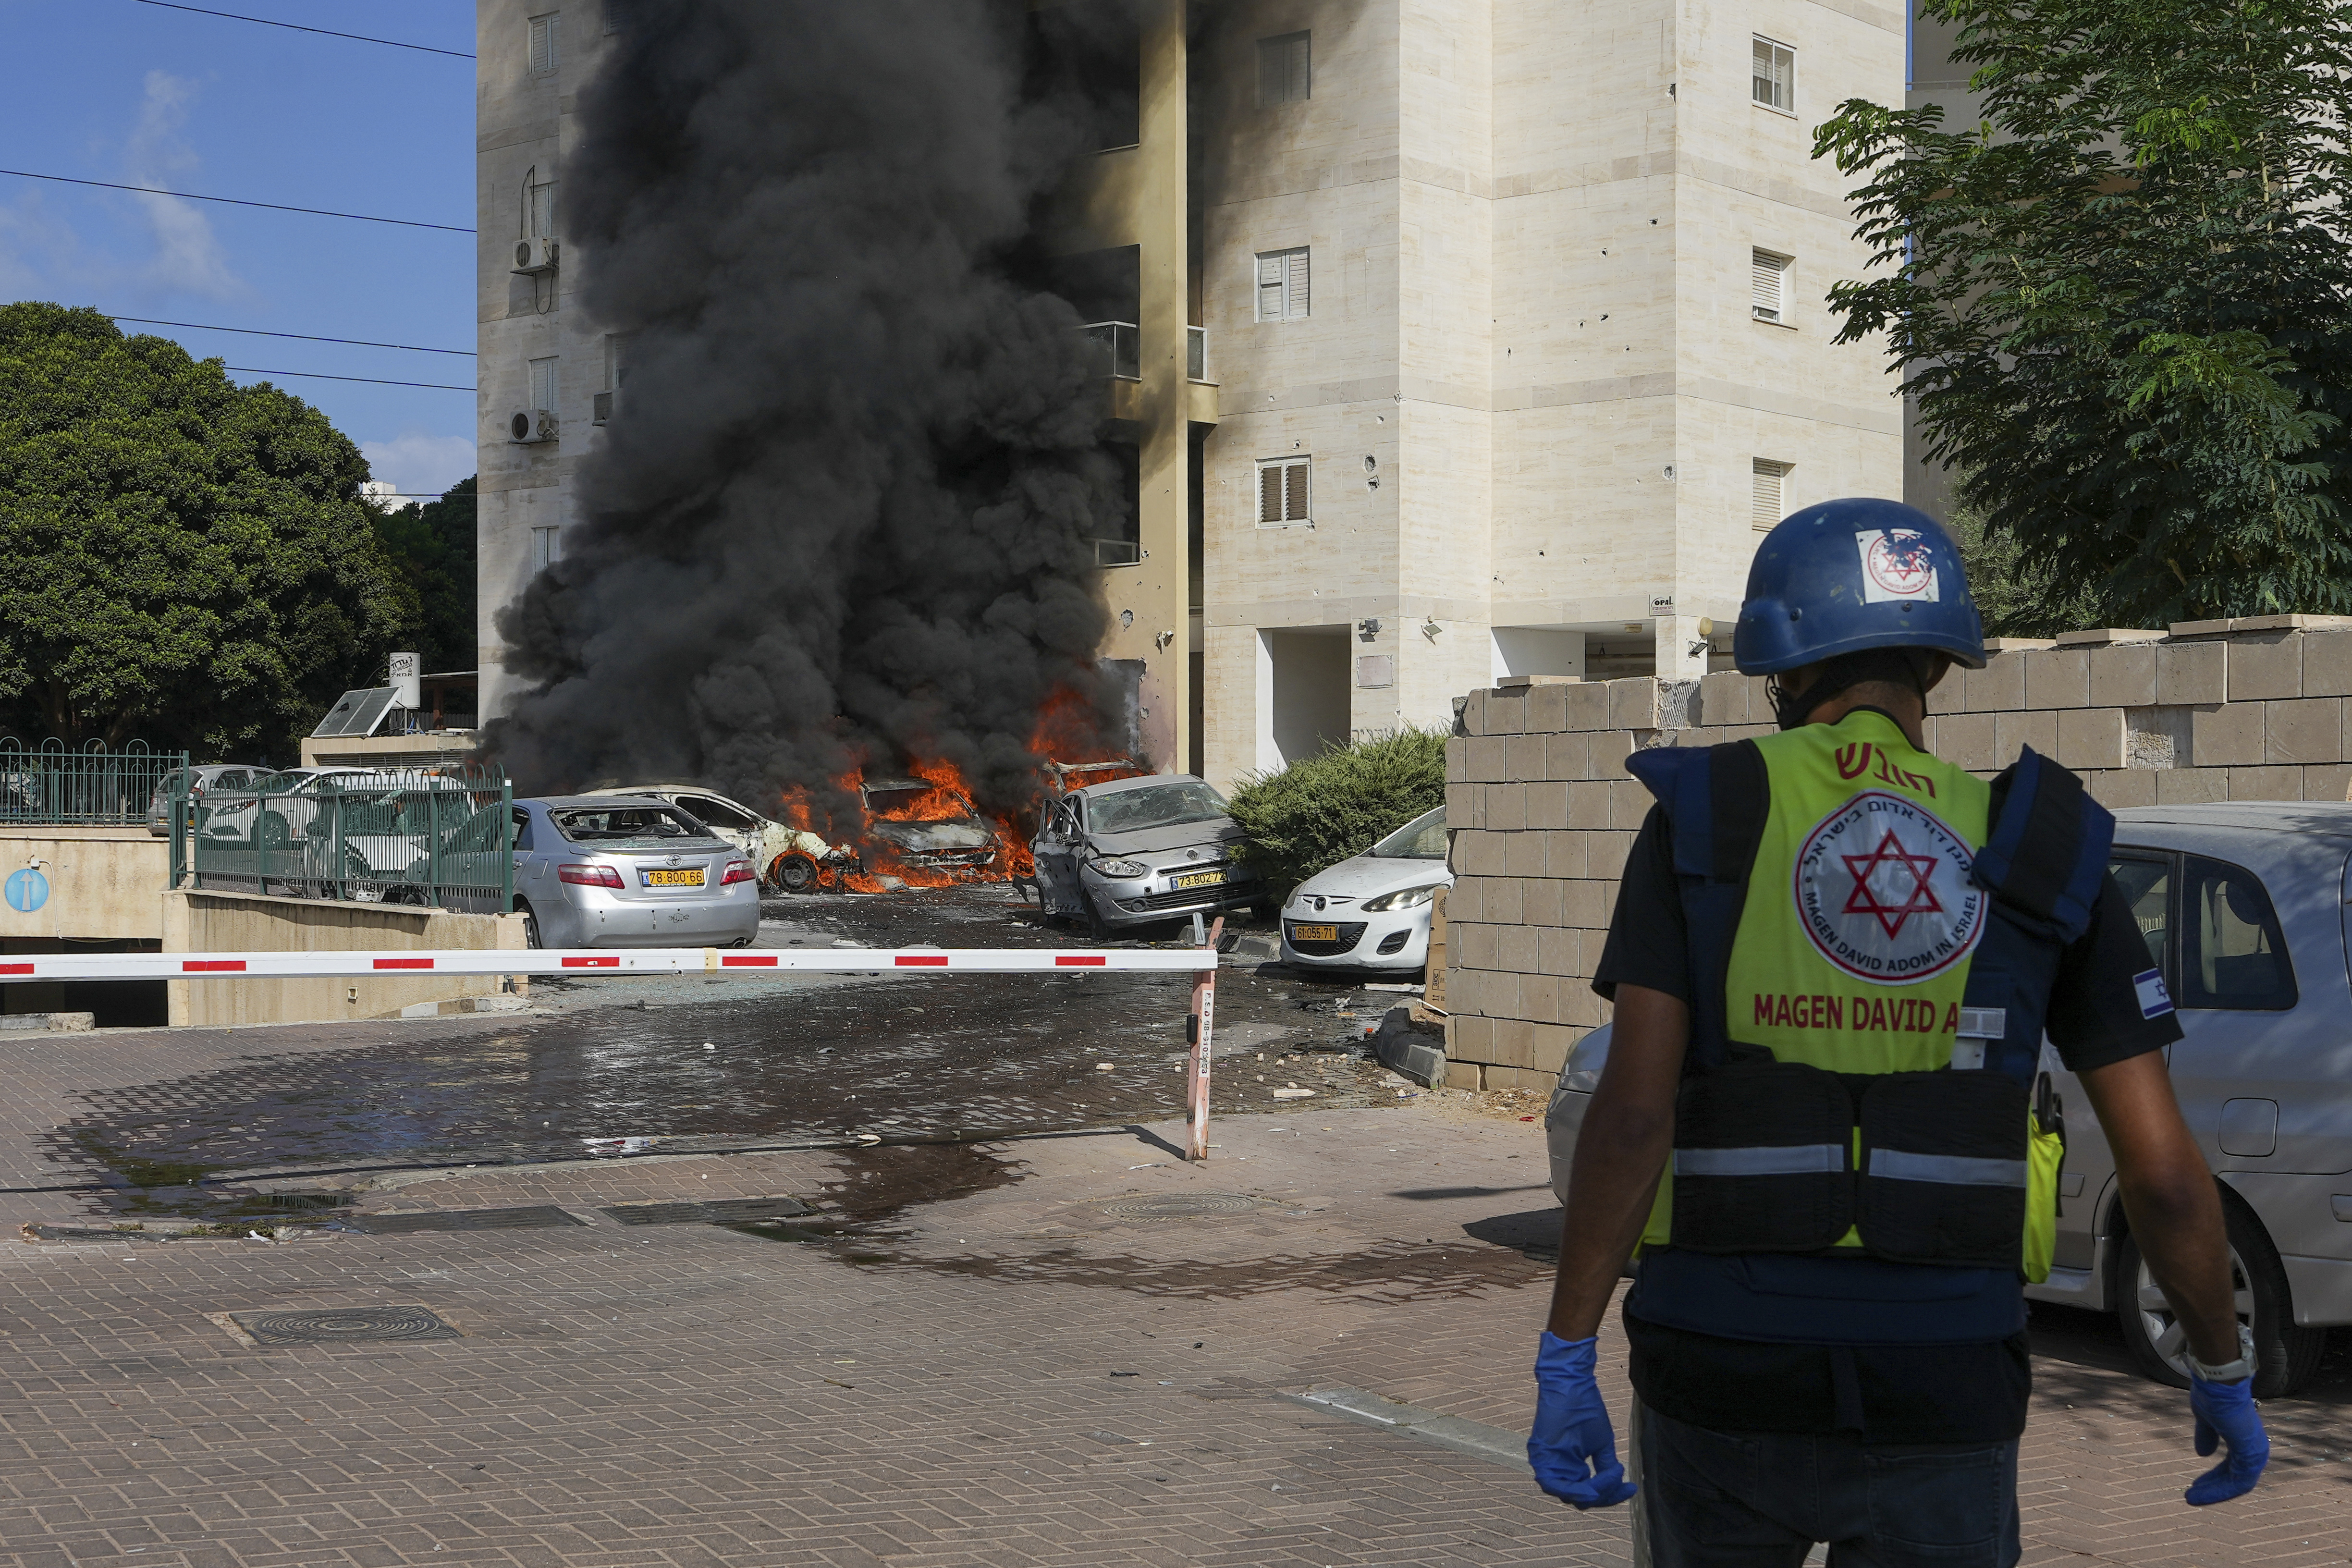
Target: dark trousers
(1760, 1499)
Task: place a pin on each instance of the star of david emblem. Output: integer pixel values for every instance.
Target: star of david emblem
(1866, 900)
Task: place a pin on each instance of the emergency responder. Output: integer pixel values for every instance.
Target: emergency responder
(1833, 960)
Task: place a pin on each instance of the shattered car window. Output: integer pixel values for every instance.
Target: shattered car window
(1422, 838)
(1161, 805)
(582, 824)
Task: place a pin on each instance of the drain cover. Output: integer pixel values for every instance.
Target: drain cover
(343, 1325)
(538, 1216)
(715, 1210)
(1180, 1205)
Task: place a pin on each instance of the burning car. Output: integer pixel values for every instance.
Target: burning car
(929, 825)
(790, 859)
(1137, 850)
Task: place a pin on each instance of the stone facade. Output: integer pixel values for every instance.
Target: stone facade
(1543, 813)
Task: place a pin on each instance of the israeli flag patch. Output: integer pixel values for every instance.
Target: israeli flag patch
(2154, 1000)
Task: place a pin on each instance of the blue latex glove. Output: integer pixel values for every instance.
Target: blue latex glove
(2225, 1413)
(1573, 1447)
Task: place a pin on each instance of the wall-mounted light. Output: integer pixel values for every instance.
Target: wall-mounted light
(1371, 629)
(1430, 629)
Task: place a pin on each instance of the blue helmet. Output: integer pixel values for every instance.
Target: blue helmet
(1851, 575)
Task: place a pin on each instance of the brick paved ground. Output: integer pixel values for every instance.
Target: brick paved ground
(944, 1395)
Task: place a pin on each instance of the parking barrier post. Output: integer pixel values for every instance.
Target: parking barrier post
(1204, 1016)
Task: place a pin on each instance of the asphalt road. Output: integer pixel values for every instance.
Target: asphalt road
(613, 1066)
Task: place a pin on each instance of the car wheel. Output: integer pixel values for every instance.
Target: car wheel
(2286, 1356)
(793, 874)
(530, 926)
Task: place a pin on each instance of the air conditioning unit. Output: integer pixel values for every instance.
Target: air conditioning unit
(536, 255)
(602, 412)
(532, 426)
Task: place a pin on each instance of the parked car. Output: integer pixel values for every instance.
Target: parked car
(600, 870)
(2244, 909)
(1371, 910)
(791, 860)
(275, 810)
(951, 837)
(1137, 850)
(204, 779)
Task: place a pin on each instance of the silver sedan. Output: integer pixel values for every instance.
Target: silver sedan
(602, 872)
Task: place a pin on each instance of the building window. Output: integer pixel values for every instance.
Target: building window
(1282, 490)
(1776, 75)
(1285, 69)
(543, 42)
(1282, 290)
(546, 549)
(539, 207)
(1767, 286)
(543, 385)
(1768, 503)
(619, 16)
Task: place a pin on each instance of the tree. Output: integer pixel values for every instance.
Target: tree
(2124, 300)
(432, 546)
(181, 560)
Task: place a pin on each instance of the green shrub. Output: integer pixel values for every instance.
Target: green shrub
(1318, 812)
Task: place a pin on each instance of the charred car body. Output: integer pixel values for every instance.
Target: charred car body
(1137, 850)
(790, 859)
(928, 827)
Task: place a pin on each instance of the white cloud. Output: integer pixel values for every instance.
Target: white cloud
(418, 464)
(188, 256)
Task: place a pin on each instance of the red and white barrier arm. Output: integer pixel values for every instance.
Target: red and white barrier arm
(363, 963)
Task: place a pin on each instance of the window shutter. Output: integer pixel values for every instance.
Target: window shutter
(1269, 288)
(1294, 304)
(543, 210)
(1269, 493)
(542, 41)
(1775, 71)
(542, 383)
(1293, 475)
(1284, 72)
(1767, 276)
(1764, 507)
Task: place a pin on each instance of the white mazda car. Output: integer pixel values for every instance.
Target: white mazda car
(1371, 910)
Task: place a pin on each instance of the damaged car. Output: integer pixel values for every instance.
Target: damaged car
(1372, 910)
(790, 859)
(928, 827)
(1140, 851)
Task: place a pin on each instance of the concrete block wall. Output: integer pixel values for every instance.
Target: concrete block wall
(1542, 812)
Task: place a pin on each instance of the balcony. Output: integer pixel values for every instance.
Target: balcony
(1115, 350)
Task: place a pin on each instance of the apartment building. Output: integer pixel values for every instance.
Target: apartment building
(1454, 339)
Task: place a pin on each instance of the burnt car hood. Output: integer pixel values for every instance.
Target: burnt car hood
(934, 838)
(1221, 831)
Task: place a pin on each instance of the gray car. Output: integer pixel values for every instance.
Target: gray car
(204, 778)
(622, 871)
(2247, 911)
(1140, 850)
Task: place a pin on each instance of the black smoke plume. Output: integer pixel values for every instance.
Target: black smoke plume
(841, 518)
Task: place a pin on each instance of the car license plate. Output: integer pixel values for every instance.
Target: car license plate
(1197, 879)
(1314, 933)
(689, 879)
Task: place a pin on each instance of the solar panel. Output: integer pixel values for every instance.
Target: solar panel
(357, 712)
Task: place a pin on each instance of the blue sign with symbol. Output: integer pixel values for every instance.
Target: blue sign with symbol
(28, 891)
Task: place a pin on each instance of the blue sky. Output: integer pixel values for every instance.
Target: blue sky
(137, 94)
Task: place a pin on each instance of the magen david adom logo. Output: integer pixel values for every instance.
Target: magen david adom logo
(1883, 890)
(1898, 564)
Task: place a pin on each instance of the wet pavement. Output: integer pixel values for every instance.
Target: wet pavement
(628, 1066)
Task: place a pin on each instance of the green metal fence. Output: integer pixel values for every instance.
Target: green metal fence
(49, 784)
(439, 838)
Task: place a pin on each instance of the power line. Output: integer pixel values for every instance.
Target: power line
(321, 376)
(297, 27)
(231, 201)
(305, 337)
